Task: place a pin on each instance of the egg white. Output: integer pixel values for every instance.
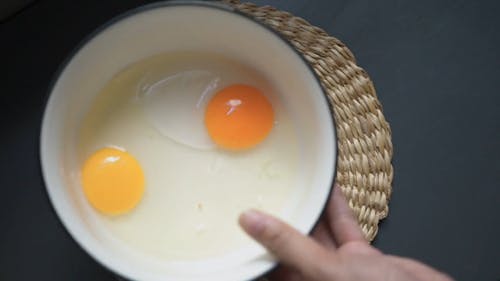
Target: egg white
(194, 191)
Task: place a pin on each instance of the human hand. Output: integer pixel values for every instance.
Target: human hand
(336, 251)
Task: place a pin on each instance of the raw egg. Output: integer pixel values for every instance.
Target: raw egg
(113, 181)
(239, 117)
(169, 113)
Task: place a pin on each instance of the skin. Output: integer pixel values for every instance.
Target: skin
(336, 250)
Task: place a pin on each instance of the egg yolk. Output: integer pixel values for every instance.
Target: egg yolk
(113, 181)
(239, 117)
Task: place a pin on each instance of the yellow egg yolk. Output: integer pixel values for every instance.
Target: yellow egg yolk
(239, 117)
(113, 181)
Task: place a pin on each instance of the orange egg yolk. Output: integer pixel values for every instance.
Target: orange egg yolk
(239, 117)
(113, 181)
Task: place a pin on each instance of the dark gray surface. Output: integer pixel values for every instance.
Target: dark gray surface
(9, 8)
(435, 65)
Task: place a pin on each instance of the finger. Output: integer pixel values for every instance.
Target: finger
(343, 224)
(419, 270)
(323, 235)
(287, 244)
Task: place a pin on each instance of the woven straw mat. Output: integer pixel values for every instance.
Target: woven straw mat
(364, 170)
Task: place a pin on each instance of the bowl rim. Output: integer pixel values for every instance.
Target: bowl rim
(131, 13)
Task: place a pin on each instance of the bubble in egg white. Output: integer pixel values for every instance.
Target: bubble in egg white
(176, 105)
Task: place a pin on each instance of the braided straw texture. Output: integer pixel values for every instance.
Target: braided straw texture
(364, 170)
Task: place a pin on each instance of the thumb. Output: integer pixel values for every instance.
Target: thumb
(287, 244)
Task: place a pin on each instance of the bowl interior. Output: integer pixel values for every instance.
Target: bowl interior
(196, 27)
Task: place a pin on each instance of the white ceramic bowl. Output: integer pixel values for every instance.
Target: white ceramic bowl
(183, 26)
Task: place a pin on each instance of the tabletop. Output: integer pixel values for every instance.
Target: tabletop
(435, 65)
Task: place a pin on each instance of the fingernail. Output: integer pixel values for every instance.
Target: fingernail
(252, 221)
